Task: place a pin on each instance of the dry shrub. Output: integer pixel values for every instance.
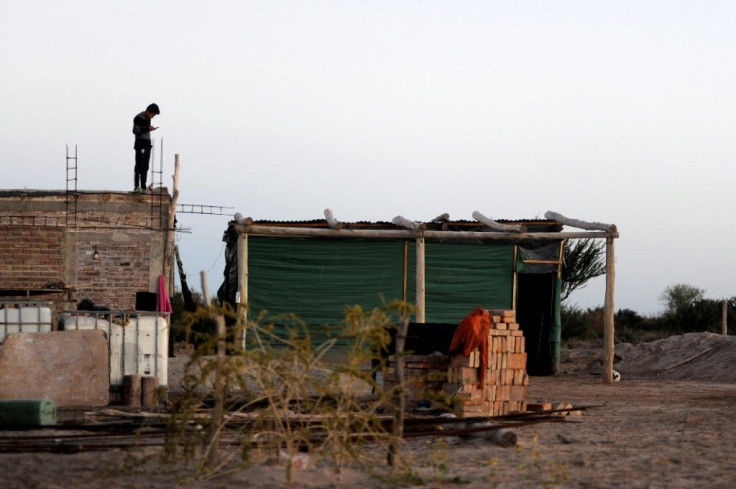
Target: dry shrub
(283, 397)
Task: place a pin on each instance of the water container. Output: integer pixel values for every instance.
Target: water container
(9, 322)
(24, 317)
(138, 342)
(38, 316)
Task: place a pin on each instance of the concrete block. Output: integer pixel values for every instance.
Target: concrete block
(70, 367)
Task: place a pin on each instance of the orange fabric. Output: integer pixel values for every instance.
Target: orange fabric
(472, 333)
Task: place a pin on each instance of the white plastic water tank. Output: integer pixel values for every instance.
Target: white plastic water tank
(24, 317)
(9, 322)
(138, 342)
(40, 316)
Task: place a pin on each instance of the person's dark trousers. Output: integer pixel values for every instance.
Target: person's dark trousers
(142, 157)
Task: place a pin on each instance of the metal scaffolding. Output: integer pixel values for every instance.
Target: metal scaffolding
(216, 210)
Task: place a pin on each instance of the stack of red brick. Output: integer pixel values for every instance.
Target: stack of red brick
(503, 390)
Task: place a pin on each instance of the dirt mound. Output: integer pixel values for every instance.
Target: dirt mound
(693, 356)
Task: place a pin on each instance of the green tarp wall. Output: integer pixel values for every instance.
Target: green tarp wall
(317, 278)
(460, 277)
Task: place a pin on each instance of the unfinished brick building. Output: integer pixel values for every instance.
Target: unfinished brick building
(63, 247)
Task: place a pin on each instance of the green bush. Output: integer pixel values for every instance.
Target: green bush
(687, 311)
(581, 324)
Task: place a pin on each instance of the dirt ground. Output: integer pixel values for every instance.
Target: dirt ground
(647, 431)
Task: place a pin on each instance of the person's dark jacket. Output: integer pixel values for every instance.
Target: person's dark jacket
(141, 125)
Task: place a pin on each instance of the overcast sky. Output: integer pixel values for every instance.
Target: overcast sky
(609, 111)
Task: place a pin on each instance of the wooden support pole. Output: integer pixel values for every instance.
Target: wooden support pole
(515, 285)
(724, 318)
(400, 395)
(421, 288)
(608, 325)
(405, 271)
(169, 230)
(242, 289)
(218, 409)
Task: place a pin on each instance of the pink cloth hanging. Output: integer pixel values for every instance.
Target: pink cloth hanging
(163, 304)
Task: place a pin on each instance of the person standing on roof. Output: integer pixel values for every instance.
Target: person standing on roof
(142, 129)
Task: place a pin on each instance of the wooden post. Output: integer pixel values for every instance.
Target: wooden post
(400, 396)
(218, 410)
(242, 289)
(405, 293)
(149, 392)
(608, 326)
(724, 318)
(420, 281)
(515, 284)
(169, 236)
(132, 390)
(219, 387)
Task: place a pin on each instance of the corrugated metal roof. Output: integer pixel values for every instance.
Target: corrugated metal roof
(466, 225)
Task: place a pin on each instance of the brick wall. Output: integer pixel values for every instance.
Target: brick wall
(121, 269)
(31, 256)
(46, 241)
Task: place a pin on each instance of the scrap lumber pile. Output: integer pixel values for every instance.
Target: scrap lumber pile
(424, 376)
(491, 382)
(105, 429)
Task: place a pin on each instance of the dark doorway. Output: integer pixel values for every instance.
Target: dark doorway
(535, 314)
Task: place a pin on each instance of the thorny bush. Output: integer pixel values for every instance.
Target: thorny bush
(285, 393)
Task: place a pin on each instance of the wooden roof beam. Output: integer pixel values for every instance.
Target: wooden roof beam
(306, 232)
(408, 224)
(331, 221)
(576, 223)
(242, 220)
(497, 226)
(442, 220)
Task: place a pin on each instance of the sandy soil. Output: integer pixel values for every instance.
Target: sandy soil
(647, 431)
